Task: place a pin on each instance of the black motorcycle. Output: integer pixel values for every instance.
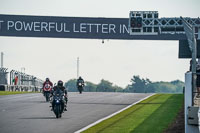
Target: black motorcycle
(80, 87)
(58, 103)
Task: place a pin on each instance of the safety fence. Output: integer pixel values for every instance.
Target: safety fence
(19, 78)
(21, 88)
(19, 81)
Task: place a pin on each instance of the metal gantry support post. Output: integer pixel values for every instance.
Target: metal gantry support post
(190, 30)
(190, 82)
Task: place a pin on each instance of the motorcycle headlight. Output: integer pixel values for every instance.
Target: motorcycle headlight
(57, 101)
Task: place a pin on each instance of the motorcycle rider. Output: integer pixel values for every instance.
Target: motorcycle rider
(47, 85)
(80, 81)
(58, 87)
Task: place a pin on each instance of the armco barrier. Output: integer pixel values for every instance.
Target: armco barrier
(29, 88)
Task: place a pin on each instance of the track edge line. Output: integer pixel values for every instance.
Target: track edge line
(111, 115)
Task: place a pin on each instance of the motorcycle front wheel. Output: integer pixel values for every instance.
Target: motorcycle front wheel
(57, 111)
(47, 97)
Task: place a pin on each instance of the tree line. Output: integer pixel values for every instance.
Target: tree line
(141, 85)
(137, 85)
(103, 86)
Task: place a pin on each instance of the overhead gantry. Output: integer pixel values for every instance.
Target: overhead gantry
(148, 23)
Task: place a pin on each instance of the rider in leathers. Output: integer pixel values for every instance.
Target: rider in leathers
(64, 90)
(79, 80)
(47, 84)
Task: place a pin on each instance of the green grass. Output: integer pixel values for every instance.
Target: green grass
(13, 92)
(152, 115)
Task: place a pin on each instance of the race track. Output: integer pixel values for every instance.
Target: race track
(29, 113)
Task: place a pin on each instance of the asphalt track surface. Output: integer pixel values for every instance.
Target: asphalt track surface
(29, 113)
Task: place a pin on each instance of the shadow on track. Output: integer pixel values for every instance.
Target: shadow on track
(39, 118)
(98, 103)
(35, 102)
(42, 118)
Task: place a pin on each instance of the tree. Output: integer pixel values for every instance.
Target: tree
(71, 85)
(104, 86)
(138, 85)
(90, 87)
(166, 87)
(117, 89)
(179, 85)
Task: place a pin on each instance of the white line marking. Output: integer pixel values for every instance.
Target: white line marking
(111, 115)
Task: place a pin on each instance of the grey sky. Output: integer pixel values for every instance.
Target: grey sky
(115, 60)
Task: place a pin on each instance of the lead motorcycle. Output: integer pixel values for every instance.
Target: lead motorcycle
(80, 87)
(58, 103)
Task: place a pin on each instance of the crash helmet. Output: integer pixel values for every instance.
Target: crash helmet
(47, 79)
(60, 83)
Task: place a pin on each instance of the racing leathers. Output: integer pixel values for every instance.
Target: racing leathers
(64, 91)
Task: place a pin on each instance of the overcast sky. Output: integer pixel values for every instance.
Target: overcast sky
(115, 60)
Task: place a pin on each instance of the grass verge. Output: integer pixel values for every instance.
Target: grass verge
(152, 115)
(13, 92)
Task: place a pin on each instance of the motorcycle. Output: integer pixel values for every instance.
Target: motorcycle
(58, 104)
(47, 89)
(80, 87)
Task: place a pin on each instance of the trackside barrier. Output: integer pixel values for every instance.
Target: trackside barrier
(28, 88)
(3, 76)
(192, 113)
